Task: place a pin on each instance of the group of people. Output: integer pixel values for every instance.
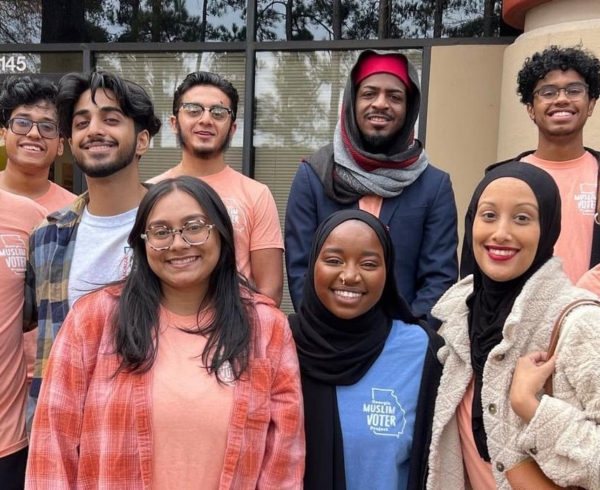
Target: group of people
(156, 355)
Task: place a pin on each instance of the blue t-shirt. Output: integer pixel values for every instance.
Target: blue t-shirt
(377, 414)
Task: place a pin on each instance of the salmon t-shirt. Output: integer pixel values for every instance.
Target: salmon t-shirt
(479, 471)
(251, 208)
(18, 216)
(190, 410)
(577, 181)
(56, 198)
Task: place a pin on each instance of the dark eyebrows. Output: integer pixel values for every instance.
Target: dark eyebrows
(387, 90)
(27, 115)
(186, 219)
(103, 109)
(340, 251)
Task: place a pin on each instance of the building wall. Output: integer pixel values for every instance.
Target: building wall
(463, 114)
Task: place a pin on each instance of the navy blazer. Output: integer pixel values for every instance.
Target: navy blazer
(422, 222)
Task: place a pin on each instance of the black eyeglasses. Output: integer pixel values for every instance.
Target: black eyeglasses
(573, 91)
(160, 237)
(21, 125)
(217, 112)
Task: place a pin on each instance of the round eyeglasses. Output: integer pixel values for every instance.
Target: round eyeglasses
(22, 126)
(217, 112)
(159, 237)
(573, 91)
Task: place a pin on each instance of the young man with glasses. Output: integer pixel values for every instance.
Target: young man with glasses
(32, 141)
(109, 123)
(204, 121)
(559, 87)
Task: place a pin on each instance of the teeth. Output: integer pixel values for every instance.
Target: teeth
(561, 114)
(182, 261)
(348, 294)
(504, 253)
(32, 148)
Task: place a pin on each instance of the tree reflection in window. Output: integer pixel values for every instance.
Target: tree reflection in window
(30, 21)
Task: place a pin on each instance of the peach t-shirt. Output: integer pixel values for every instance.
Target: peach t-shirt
(18, 216)
(251, 208)
(56, 198)
(190, 411)
(577, 181)
(479, 471)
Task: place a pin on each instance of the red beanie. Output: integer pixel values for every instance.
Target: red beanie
(394, 64)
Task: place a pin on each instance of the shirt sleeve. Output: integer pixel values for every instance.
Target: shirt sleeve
(438, 263)
(266, 230)
(301, 222)
(563, 436)
(54, 446)
(283, 462)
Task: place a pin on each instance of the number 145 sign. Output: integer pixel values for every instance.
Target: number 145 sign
(10, 64)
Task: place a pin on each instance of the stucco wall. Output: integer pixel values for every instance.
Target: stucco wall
(463, 114)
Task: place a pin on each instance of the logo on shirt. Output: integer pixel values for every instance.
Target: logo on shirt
(14, 251)
(385, 415)
(125, 267)
(237, 215)
(586, 199)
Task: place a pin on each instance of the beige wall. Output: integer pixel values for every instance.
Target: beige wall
(463, 114)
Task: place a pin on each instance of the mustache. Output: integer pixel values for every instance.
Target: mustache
(97, 140)
(384, 114)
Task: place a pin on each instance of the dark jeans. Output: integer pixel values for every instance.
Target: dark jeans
(12, 470)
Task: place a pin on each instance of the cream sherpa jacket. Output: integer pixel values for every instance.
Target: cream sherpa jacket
(563, 436)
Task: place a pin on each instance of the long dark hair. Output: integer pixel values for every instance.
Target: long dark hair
(136, 319)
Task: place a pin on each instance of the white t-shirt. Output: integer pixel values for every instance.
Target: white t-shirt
(101, 252)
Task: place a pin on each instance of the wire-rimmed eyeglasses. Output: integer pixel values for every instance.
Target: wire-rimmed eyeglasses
(160, 237)
(22, 126)
(573, 91)
(217, 112)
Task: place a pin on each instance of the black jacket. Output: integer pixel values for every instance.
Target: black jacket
(467, 259)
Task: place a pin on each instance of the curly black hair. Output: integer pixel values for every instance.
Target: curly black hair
(24, 90)
(556, 58)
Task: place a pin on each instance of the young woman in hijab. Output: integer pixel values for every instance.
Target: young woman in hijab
(369, 369)
(502, 317)
(180, 377)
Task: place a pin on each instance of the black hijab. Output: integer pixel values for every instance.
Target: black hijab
(333, 351)
(491, 301)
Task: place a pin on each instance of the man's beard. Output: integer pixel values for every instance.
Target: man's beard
(107, 169)
(379, 143)
(203, 153)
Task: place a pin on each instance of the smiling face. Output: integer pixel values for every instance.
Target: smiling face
(30, 152)
(103, 139)
(380, 108)
(506, 229)
(202, 136)
(350, 270)
(183, 268)
(561, 117)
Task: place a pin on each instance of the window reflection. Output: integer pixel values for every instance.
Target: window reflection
(376, 19)
(32, 21)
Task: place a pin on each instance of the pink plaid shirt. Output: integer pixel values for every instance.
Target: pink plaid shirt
(93, 430)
